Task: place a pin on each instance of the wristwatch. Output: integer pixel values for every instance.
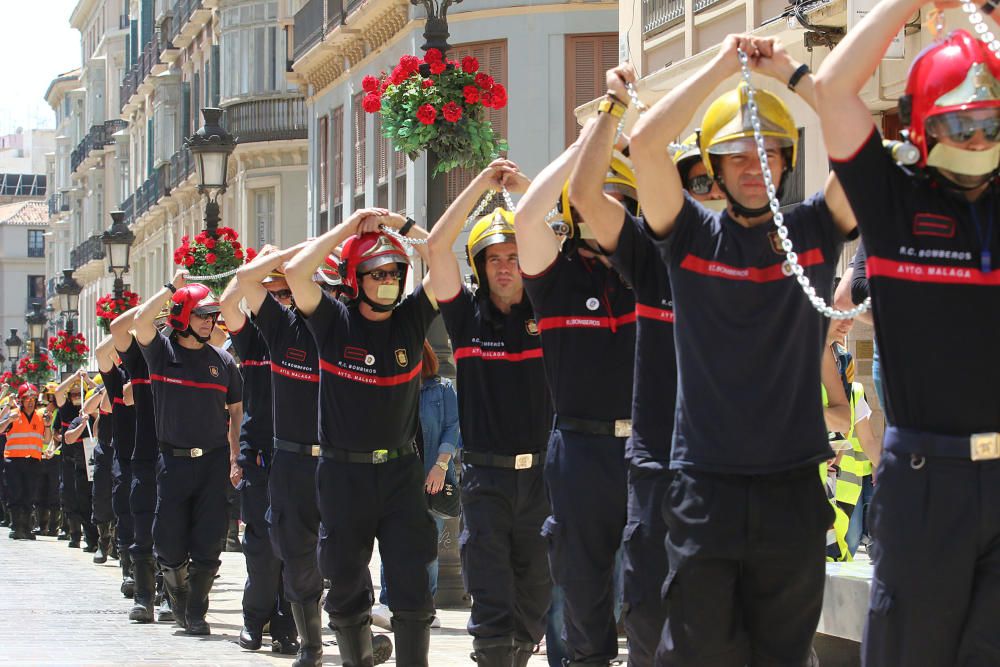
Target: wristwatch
(405, 229)
(170, 287)
(442, 465)
(609, 106)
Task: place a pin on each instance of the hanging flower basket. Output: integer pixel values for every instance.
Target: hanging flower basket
(36, 370)
(109, 308)
(441, 109)
(211, 254)
(69, 350)
(12, 380)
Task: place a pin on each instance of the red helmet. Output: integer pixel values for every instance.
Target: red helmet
(193, 298)
(328, 272)
(27, 390)
(366, 252)
(956, 74)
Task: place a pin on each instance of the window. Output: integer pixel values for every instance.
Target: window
(492, 57)
(795, 184)
(382, 152)
(324, 171)
(36, 243)
(588, 57)
(399, 171)
(36, 289)
(337, 159)
(252, 28)
(360, 163)
(263, 208)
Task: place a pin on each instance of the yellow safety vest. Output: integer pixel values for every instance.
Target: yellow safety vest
(854, 466)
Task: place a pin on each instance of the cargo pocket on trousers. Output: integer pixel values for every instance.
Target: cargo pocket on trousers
(632, 565)
(552, 534)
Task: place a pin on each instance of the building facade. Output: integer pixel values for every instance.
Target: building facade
(23, 229)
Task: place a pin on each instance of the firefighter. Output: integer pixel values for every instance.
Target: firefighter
(26, 433)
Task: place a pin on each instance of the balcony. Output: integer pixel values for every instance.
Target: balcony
(189, 17)
(128, 208)
(149, 193)
(267, 120)
(703, 4)
(148, 59)
(58, 203)
(317, 18)
(180, 168)
(97, 138)
(658, 15)
(88, 251)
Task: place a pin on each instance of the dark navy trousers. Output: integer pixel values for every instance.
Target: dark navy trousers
(360, 502)
(142, 496)
(103, 512)
(191, 514)
(586, 479)
(295, 519)
(503, 553)
(121, 486)
(49, 473)
(935, 597)
(21, 478)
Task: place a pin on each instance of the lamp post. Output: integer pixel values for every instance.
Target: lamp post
(117, 246)
(210, 148)
(36, 320)
(13, 348)
(436, 27)
(69, 298)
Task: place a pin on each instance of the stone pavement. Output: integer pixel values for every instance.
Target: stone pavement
(58, 608)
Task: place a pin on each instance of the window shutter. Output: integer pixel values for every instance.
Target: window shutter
(214, 63)
(588, 57)
(323, 164)
(358, 132)
(337, 148)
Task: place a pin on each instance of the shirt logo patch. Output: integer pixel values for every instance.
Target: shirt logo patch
(355, 353)
(370, 360)
(776, 243)
(401, 357)
(928, 224)
(213, 371)
(531, 326)
(295, 354)
(593, 303)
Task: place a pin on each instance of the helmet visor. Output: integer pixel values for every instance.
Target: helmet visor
(962, 126)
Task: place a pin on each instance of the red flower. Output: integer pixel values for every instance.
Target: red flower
(251, 253)
(499, 96)
(487, 99)
(471, 94)
(427, 83)
(410, 64)
(438, 68)
(426, 114)
(470, 65)
(369, 84)
(82, 349)
(398, 75)
(188, 261)
(484, 81)
(236, 245)
(451, 112)
(372, 103)
(384, 86)
(184, 240)
(210, 258)
(210, 243)
(201, 237)
(433, 56)
(238, 254)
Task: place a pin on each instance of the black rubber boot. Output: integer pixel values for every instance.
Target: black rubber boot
(4, 516)
(354, 639)
(55, 519)
(21, 525)
(75, 530)
(309, 625)
(413, 637)
(493, 651)
(175, 581)
(233, 537)
(522, 652)
(199, 585)
(145, 585)
(43, 522)
(90, 537)
(103, 543)
(285, 645)
(251, 638)
(128, 579)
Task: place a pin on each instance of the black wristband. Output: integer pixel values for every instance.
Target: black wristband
(405, 229)
(170, 287)
(797, 76)
(989, 6)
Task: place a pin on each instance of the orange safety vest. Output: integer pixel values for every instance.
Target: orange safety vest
(24, 439)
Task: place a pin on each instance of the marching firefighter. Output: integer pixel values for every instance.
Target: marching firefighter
(75, 488)
(26, 434)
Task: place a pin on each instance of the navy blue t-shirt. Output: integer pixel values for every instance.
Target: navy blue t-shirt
(294, 371)
(142, 397)
(586, 315)
(748, 340)
(369, 387)
(122, 416)
(937, 307)
(654, 385)
(257, 428)
(504, 405)
(191, 389)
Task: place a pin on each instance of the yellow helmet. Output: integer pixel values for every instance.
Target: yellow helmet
(686, 150)
(726, 125)
(497, 227)
(620, 179)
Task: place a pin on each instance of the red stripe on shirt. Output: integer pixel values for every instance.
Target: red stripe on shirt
(474, 351)
(585, 322)
(930, 273)
(118, 401)
(187, 383)
(650, 313)
(251, 362)
(377, 380)
(140, 381)
(293, 374)
(751, 274)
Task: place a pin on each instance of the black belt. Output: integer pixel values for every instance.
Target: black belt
(186, 452)
(376, 457)
(516, 462)
(619, 428)
(975, 447)
(297, 447)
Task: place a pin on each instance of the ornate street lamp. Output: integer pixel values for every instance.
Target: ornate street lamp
(210, 148)
(69, 298)
(436, 27)
(117, 246)
(36, 320)
(13, 344)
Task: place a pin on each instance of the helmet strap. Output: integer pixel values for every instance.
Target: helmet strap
(190, 332)
(741, 210)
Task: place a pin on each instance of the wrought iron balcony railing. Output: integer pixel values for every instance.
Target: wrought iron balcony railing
(267, 120)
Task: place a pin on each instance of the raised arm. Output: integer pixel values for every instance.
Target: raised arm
(846, 120)
(447, 276)
(63, 389)
(229, 306)
(105, 354)
(121, 329)
(145, 317)
(252, 275)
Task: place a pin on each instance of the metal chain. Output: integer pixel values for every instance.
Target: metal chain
(983, 31)
(791, 265)
(217, 276)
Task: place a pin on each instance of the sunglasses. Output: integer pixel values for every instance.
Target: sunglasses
(282, 294)
(960, 128)
(378, 275)
(700, 185)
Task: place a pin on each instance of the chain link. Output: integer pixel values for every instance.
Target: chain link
(982, 30)
(217, 276)
(791, 265)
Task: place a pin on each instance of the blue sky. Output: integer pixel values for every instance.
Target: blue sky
(36, 44)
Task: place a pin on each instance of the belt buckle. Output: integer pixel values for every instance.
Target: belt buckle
(522, 461)
(985, 446)
(314, 450)
(196, 452)
(380, 456)
(623, 428)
